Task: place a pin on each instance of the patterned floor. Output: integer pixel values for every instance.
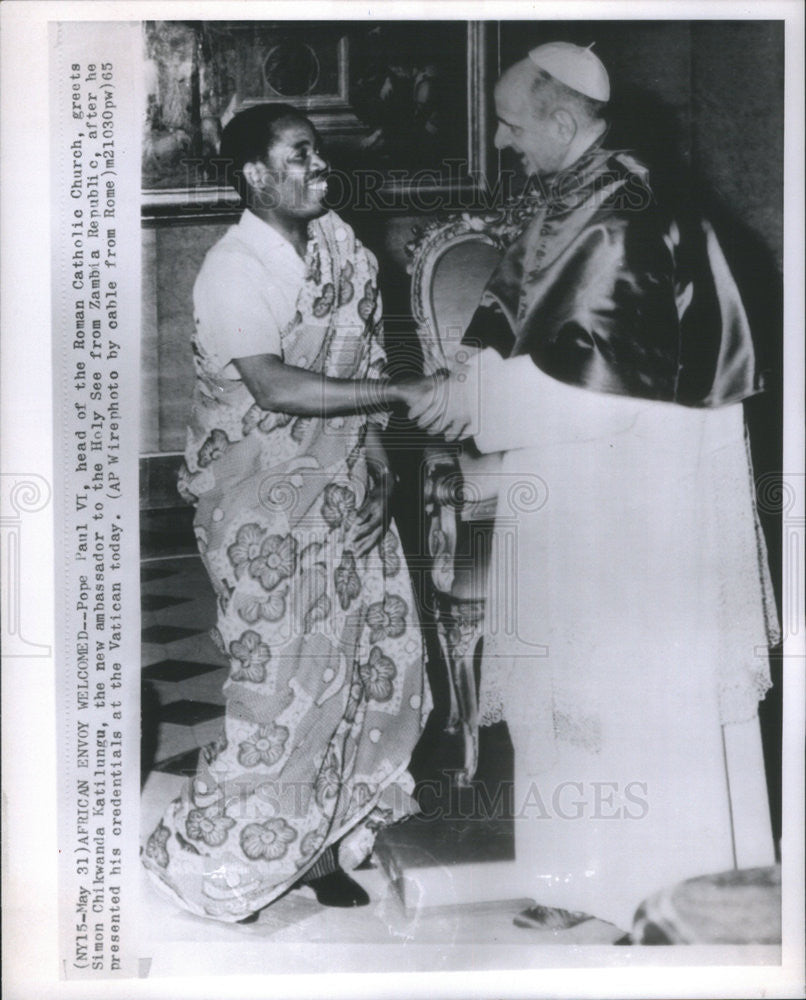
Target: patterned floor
(182, 670)
(183, 709)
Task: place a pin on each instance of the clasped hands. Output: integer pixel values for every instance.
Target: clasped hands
(440, 403)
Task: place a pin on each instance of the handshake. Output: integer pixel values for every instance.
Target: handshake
(443, 403)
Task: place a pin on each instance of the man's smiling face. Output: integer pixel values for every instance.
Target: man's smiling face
(296, 182)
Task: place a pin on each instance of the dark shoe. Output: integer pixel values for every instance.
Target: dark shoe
(251, 919)
(338, 889)
(549, 918)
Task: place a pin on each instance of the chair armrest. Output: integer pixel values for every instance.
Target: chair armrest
(466, 482)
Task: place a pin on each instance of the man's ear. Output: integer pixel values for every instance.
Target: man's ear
(566, 125)
(255, 174)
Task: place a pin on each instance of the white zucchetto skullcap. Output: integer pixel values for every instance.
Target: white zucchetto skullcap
(574, 66)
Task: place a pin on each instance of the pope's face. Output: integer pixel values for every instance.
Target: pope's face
(295, 183)
(535, 140)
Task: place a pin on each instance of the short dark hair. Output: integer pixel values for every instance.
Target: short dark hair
(248, 137)
(548, 94)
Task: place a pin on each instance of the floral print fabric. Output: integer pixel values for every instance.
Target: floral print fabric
(326, 695)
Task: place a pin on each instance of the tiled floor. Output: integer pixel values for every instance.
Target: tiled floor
(183, 708)
(182, 671)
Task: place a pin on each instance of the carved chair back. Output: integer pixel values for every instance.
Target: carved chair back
(450, 264)
(451, 261)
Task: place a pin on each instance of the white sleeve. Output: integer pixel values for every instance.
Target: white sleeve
(519, 406)
(233, 311)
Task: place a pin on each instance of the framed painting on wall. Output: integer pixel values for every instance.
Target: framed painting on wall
(401, 106)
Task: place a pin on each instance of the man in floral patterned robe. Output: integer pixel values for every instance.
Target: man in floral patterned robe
(326, 696)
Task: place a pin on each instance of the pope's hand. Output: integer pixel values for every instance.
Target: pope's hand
(440, 404)
(452, 416)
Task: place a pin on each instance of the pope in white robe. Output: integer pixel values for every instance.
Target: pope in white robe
(629, 607)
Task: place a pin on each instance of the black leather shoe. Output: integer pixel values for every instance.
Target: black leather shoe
(338, 889)
(550, 918)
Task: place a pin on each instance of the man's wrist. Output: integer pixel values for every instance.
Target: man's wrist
(374, 394)
(394, 392)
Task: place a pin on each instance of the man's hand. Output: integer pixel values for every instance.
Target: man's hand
(441, 404)
(450, 412)
(419, 393)
(371, 521)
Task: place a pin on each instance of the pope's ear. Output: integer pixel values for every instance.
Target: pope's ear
(255, 174)
(565, 124)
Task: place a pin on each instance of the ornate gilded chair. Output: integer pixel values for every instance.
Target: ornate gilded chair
(450, 262)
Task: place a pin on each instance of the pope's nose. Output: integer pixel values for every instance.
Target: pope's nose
(501, 139)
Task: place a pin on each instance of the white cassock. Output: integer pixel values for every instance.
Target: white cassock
(628, 618)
